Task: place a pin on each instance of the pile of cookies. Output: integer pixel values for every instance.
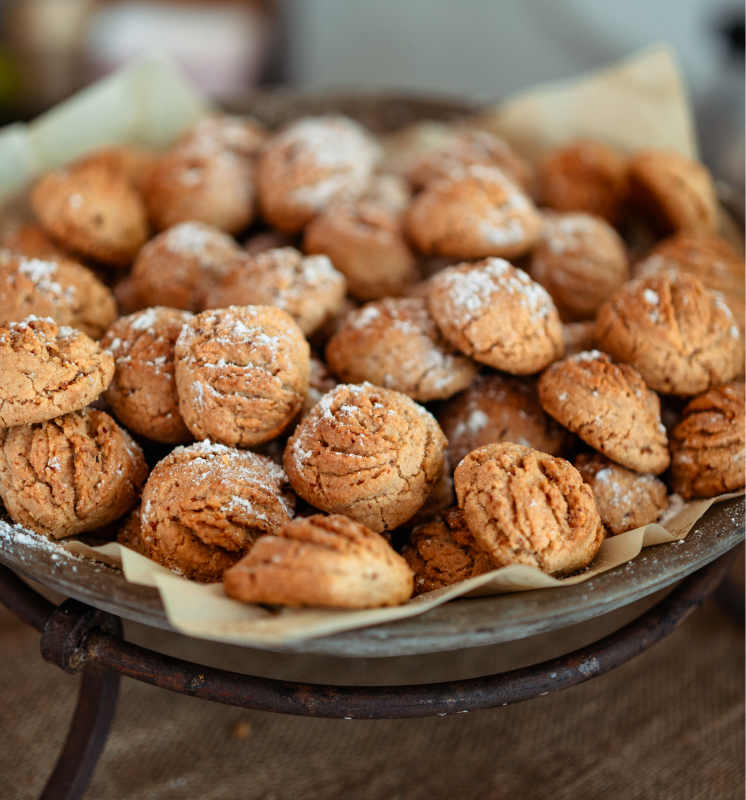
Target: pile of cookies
(328, 372)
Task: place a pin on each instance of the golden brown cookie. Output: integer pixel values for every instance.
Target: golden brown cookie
(708, 444)
(321, 560)
(48, 371)
(496, 314)
(625, 499)
(366, 452)
(677, 334)
(443, 552)
(499, 408)
(583, 176)
(61, 289)
(71, 474)
(205, 505)
(241, 373)
(609, 407)
(473, 213)
(308, 288)
(142, 393)
(526, 507)
(314, 162)
(396, 344)
(580, 260)
(673, 192)
(93, 211)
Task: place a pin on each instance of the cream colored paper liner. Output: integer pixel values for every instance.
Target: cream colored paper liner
(205, 611)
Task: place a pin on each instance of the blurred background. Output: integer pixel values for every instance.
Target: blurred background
(480, 49)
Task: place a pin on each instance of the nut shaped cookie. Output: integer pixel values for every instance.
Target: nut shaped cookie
(205, 505)
(369, 453)
(242, 373)
(625, 499)
(609, 407)
(677, 334)
(329, 561)
(142, 393)
(526, 507)
(496, 314)
(473, 213)
(396, 344)
(708, 444)
(94, 211)
(71, 474)
(48, 371)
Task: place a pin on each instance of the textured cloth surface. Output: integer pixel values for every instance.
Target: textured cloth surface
(667, 725)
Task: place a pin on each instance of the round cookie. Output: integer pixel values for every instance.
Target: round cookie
(678, 335)
(499, 408)
(71, 474)
(308, 288)
(708, 444)
(48, 371)
(205, 505)
(241, 374)
(395, 343)
(580, 260)
(473, 213)
(93, 211)
(443, 552)
(142, 393)
(526, 507)
(673, 192)
(496, 314)
(625, 499)
(366, 452)
(314, 162)
(61, 289)
(609, 407)
(330, 561)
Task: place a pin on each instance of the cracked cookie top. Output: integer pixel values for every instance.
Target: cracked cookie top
(496, 314)
(396, 344)
(678, 335)
(609, 407)
(526, 507)
(205, 505)
(321, 560)
(367, 452)
(242, 373)
(48, 371)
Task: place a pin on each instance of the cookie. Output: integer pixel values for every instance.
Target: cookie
(71, 474)
(526, 507)
(708, 444)
(473, 213)
(307, 288)
(580, 260)
(396, 344)
(205, 505)
(330, 561)
(677, 334)
(609, 407)
(625, 499)
(93, 211)
(314, 162)
(496, 314)
(241, 374)
(366, 452)
(142, 393)
(499, 408)
(443, 552)
(48, 371)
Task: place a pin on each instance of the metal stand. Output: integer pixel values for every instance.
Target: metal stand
(77, 637)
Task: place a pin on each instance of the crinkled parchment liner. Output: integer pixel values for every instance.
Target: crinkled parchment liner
(639, 102)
